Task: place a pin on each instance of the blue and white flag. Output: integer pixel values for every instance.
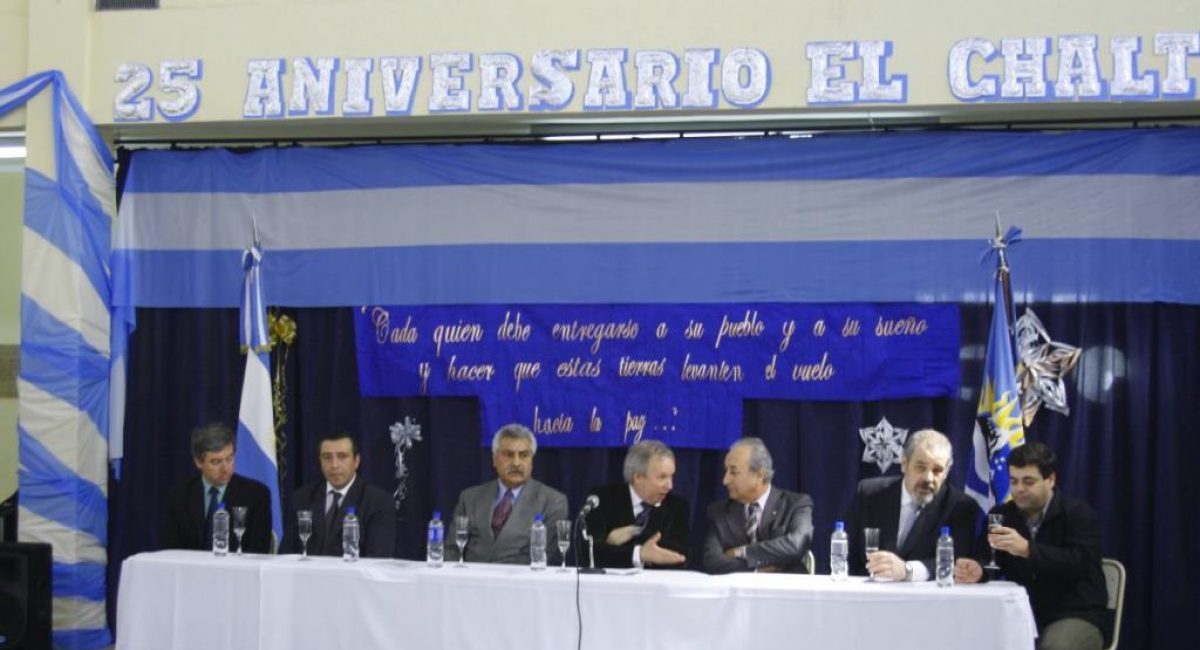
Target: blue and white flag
(998, 427)
(63, 427)
(256, 419)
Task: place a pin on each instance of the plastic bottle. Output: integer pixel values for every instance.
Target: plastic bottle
(350, 535)
(435, 541)
(537, 544)
(220, 527)
(839, 550)
(945, 559)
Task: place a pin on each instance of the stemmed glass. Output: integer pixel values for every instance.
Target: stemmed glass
(239, 525)
(564, 541)
(871, 544)
(462, 532)
(995, 520)
(304, 525)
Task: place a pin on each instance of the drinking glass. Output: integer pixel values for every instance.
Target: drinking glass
(995, 520)
(239, 525)
(462, 532)
(870, 543)
(564, 541)
(304, 521)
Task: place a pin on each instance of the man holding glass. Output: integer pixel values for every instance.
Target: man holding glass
(498, 514)
(327, 500)
(760, 527)
(906, 514)
(1050, 543)
(191, 504)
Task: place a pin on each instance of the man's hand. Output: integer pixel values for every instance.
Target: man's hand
(885, 564)
(619, 536)
(652, 553)
(967, 571)
(732, 553)
(1008, 540)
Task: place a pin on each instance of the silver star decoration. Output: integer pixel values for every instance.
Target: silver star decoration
(404, 435)
(883, 444)
(1043, 364)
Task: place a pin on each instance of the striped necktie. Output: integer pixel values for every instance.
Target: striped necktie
(752, 523)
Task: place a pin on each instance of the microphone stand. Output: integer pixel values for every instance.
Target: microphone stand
(587, 537)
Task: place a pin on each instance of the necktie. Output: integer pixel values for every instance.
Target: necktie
(643, 517)
(331, 515)
(752, 523)
(501, 513)
(208, 515)
(911, 512)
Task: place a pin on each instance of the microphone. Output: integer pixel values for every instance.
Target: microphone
(589, 505)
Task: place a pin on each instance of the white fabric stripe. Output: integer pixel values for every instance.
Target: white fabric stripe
(67, 432)
(68, 545)
(255, 411)
(98, 177)
(61, 288)
(1139, 207)
(260, 311)
(78, 614)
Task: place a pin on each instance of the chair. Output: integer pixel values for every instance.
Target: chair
(1114, 580)
(810, 562)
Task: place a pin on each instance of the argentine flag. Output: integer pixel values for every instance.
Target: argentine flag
(256, 419)
(998, 428)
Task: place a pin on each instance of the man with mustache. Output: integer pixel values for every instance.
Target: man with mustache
(501, 512)
(909, 511)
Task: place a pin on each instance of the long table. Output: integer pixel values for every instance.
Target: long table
(189, 599)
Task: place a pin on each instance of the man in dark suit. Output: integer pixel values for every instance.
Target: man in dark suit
(191, 504)
(639, 523)
(328, 500)
(909, 511)
(760, 527)
(500, 512)
(1050, 543)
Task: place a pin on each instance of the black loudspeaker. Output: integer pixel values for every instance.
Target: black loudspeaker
(24, 596)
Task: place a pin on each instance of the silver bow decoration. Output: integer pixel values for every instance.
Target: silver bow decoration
(1043, 364)
(404, 436)
(882, 444)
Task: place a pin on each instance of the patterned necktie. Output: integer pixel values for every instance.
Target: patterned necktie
(643, 517)
(752, 523)
(212, 507)
(501, 513)
(912, 510)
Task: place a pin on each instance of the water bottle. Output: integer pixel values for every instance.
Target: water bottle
(350, 535)
(537, 544)
(435, 541)
(839, 550)
(945, 558)
(220, 525)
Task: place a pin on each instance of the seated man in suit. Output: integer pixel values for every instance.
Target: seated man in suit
(500, 512)
(191, 504)
(760, 527)
(639, 523)
(910, 510)
(329, 498)
(1050, 543)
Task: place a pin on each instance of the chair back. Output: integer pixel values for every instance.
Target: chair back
(1114, 580)
(810, 562)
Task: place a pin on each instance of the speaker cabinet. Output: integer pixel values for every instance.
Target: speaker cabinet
(24, 596)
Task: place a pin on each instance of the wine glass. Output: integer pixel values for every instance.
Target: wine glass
(564, 541)
(871, 543)
(239, 525)
(304, 525)
(995, 520)
(462, 533)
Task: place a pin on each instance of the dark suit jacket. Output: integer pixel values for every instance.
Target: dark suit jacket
(615, 510)
(376, 520)
(784, 534)
(877, 505)
(183, 526)
(1062, 573)
(512, 546)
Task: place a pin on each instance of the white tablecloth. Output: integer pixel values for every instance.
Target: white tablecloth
(186, 599)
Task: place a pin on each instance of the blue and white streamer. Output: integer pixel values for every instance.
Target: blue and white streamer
(256, 417)
(63, 428)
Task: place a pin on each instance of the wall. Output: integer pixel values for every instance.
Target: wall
(11, 208)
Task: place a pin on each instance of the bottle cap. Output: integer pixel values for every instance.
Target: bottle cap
(839, 525)
(350, 510)
(221, 506)
(437, 514)
(945, 531)
(537, 517)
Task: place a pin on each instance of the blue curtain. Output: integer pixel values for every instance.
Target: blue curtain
(1129, 446)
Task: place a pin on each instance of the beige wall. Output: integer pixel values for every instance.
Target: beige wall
(14, 27)
(11, 209)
